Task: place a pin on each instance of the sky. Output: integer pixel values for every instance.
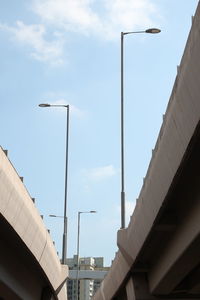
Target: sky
(68, 52)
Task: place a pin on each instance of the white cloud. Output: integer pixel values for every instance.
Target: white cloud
(129, 208)
(101, 173)
(73, 15)
(104, 19)
(111, 17)
(33, 36)
(128, 15)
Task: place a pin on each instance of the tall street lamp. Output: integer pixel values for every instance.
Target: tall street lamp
(153, 31)
(78, 242)
(64, 244)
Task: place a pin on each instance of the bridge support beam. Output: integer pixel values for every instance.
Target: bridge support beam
(182, 254)
(47, 294)
(137, 288)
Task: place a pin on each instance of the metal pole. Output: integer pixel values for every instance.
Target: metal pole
(77, 264)
(122, 135)
(151, 30)
(64, 246)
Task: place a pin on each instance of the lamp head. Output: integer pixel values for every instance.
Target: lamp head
(44, 105)
(153, 30)
(93, 211)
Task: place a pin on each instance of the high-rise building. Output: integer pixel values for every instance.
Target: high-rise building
(86, 287)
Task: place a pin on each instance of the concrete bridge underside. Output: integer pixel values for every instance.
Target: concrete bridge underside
(30, 268)
(168, 265)
(20, 275)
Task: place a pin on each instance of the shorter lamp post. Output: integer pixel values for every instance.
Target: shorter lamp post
(64, 243)
(55, 216)
(78, 244)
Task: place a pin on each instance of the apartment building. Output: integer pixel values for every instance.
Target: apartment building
(86, 287)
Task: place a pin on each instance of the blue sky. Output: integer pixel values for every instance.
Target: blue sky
(68, 52)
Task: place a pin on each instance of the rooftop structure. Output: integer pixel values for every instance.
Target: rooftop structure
(90, 275)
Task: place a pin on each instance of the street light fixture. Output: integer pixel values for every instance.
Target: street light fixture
(152, 31)
(55, 216)
(78, 242)
(64, 244)
(44, 105)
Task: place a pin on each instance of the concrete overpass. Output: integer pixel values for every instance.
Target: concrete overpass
(87, 274)
(29, 266)
(159, 252)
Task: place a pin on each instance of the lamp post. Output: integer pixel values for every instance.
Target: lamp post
(153, 31)
(64, 244)
(78, 243)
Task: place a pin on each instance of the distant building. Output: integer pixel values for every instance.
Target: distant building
(87, 287)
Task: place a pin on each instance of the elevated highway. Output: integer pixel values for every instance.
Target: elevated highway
(29, 266)
(87, 274)
(159, 252)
